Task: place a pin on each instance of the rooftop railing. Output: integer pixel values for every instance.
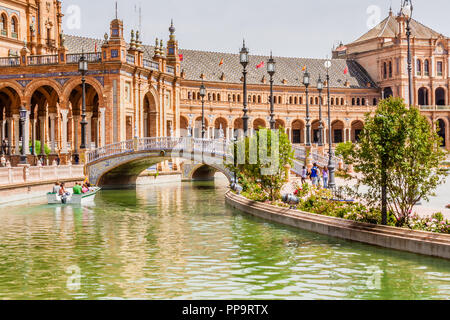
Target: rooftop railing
(149, 64)
(9, 62)
(90, 57)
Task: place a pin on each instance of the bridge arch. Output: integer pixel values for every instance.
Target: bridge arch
(119, 165)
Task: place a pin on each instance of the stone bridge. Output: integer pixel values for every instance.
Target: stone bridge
(118, 165)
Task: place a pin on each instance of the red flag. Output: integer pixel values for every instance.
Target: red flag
(181, 57)
(260, 65)
(304, 68)
(221, 62)
(346, 70)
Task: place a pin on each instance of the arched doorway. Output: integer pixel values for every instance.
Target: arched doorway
(423, 97)
(198, 128)
(258, 124)
(440, 97)
(9, 106)
(315, 131)
(45, 119)
(220, 128)
(150, 116)
(238, 126)
(357, 128)
(94, 133)
(338, 131)
(279, 124)
(387, 92)
(184, 125)
(298, 128)
(442, 129)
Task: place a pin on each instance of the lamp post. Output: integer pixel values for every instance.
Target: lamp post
(320, 88)
(243, 56)
(235, 139)
(83, 69)
(202, 95)
(23, 116)
(306, 82)
(407, 10)
(331, 165)
(271, 72)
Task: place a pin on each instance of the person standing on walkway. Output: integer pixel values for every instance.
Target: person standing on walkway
(314, 176)
(304, 175)
(326, 175)
(4, 146)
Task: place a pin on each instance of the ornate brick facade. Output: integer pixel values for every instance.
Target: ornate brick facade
(135, 89)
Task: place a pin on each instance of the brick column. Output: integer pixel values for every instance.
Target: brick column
(2, 134)
(76, 121)
(10, 135)
(53, 132)
(42, 127)
(102, 127)
(89, 130)
(64, 121)
(16, 134)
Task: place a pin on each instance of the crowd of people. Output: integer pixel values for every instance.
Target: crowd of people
(318, 176)
(59, 188)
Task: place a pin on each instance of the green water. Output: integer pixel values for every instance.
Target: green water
(180, 241)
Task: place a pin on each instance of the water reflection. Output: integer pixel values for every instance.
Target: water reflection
(180, 241)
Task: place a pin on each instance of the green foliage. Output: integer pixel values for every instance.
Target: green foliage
(401, 141)
(346, 151)
(263, 174)
(38, 148)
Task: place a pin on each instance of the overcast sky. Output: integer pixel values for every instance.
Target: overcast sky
(292, 28)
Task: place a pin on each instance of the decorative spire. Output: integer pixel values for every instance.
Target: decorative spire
(116, 12)
(132, 41)
(172, 28)
(161, 47)
(157, 47)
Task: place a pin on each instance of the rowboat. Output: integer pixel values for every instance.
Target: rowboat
(85, 198)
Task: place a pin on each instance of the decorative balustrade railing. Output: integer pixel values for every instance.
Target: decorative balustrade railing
(90, 57)
(431, 108)
(42, 60)
(217, 147)
(149, 64)
(170, 69)
(9, 62)
(131, 59)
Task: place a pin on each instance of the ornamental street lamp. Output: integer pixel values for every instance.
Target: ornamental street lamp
(406, 11)
(320, 88)
(306, 82)
(23, 117)
(271, 72)
(202, 95)
(243, 56)
(331, 165)
(83, 69)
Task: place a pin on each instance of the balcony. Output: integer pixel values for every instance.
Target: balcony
(90, 57)
(434, 108)
(42, 60)
(9, 62)
(131, 59)
(149, 64)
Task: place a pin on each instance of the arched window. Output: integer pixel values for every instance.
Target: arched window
(332, 101)
(426, 68)
(4, 25)
(189, 95)
(390, 69)
(301, 100)
(229, 98)
(14, 28)
(234, 98)
(218, 97)
(311, 100)
(363, 102)
(259, 99)
(358, 102)
(280, 100)
(353, 101)
(239, 98)
(290, 100)
(295, 100)
(419, 67)
(342, 101)
(209, 96)
(384, 70)
(198, 95)
(254, 99)
(374, 101)
(214, 97)
(439, 68)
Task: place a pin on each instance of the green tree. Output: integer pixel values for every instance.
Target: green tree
(38, 147)
(401, 141)
(266, 157)
(346, 151)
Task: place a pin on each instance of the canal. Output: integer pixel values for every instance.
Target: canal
(180, 241)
